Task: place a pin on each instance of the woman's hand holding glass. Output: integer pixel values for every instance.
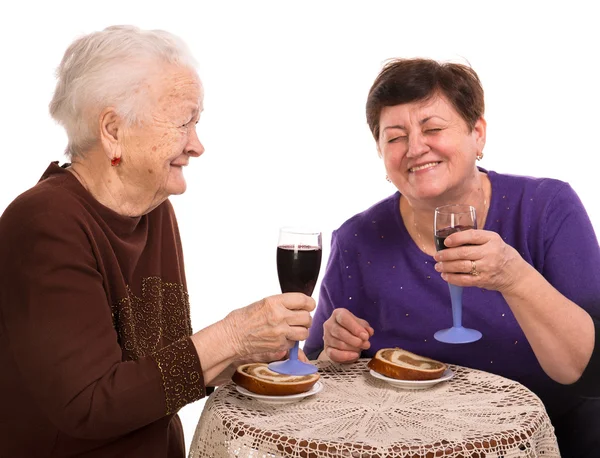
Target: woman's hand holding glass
(271, 325)
(491, 263)
(345, 336)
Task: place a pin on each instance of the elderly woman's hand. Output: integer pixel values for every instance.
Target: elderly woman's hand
(270, 325)
(482, 259)
(345, 336)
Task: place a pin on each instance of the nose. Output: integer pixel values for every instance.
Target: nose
(194, 147)
(417, 145)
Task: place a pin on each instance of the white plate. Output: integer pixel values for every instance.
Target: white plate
(281, 399)
(414, 384)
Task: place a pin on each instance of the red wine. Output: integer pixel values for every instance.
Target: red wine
(298, 268)
(442, 234)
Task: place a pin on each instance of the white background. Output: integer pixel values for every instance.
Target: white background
(284, 124)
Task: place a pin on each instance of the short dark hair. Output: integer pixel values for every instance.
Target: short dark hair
(411, 80)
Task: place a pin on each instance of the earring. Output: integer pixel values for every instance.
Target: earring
(480, 155)
(388, 179)
(115, 161)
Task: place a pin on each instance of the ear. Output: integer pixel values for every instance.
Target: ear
(110, 124)
(479, 131)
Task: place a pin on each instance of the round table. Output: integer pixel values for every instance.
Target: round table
(474, 414)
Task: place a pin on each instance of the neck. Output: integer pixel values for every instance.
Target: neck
(107, 185)
(418, 216)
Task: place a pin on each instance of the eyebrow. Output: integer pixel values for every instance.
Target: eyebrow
(421, 122)
(194, 111)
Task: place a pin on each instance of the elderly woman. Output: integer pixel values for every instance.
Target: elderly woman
(534, 264)
(96, 348)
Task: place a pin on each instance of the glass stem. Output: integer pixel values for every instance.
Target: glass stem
(294, 351)
(456, 293)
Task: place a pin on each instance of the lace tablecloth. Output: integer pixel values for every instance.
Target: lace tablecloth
(475, 414)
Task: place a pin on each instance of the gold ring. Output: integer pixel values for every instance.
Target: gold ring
(474, 270)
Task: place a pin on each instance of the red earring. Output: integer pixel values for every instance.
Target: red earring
(115, 161)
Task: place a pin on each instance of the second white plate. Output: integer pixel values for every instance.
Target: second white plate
(281, 399)
(414, 384)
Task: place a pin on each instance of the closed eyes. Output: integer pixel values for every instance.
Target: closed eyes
(434, 130)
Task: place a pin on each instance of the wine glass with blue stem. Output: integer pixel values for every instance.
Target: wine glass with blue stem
(448, 220)
(298, 264)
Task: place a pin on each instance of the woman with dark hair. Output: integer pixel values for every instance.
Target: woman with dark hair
(531, 269)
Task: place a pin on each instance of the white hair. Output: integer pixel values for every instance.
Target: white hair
(108, 68)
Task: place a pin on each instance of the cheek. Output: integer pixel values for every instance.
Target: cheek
(393, 157)
(166, 147)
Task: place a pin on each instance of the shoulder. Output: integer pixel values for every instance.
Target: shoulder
(366, 219)
(46, 220)
(531, 191)
(46, 198)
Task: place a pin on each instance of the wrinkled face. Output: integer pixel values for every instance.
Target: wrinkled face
(156, 150)
(427, 148)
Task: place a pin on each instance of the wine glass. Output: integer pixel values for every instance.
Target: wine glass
(298, 264)
(448, 220)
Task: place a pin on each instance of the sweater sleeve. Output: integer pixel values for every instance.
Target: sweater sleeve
(57, 319)
(571, 254)
(571, 265)
(330, 293)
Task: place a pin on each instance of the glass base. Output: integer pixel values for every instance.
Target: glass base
(293, 367)
(457, 335)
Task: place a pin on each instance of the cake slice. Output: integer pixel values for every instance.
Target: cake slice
(259, 379)
(404, 365)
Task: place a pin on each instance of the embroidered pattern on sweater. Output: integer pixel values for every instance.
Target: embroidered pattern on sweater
(181, 384)
(141, 323)
(162, 312)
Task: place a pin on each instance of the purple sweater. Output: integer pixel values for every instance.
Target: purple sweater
(376, 271)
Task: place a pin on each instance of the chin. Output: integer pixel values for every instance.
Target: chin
(176, 187)
(176, 184)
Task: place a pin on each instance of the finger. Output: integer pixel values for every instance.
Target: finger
(470, 237)
(341, 356)
(350, 322)
(462, 279)
(297, 333)
(473, 252)
(343, 335)
(341, 345)
(365, 324)
(296, 301)
(299, 318)
(464, 266)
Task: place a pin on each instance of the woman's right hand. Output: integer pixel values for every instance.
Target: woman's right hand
(345, 336)
(272, 324)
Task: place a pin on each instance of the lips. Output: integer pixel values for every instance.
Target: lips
(416, 168)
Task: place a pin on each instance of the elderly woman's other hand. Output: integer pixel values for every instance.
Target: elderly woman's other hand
(270, 325)
(482, 259)
(345, 336)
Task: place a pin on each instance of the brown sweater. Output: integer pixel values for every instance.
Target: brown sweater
(95, 355)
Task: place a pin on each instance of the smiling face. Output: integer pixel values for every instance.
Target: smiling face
(155, 150)
(428, 150)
